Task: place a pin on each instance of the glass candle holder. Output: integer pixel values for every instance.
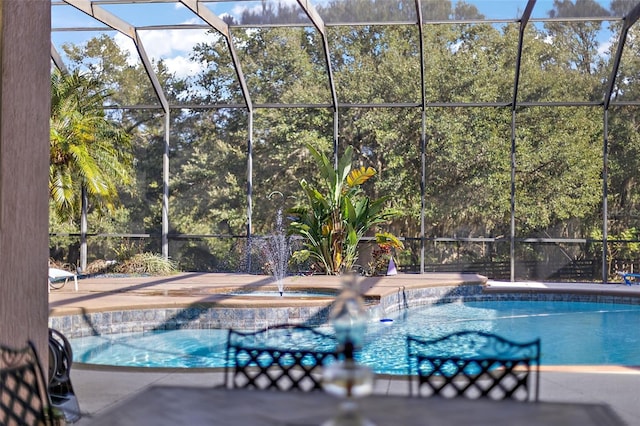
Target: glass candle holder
(346, 378)
(349, 316)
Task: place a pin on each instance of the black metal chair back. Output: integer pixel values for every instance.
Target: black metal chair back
(284, 357)
(474, 364)
(60, 388)
(23, 391)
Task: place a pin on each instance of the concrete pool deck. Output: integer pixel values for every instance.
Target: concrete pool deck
(99, 388)
(100, 294)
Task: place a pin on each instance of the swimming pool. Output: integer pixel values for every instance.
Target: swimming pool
(577, 333)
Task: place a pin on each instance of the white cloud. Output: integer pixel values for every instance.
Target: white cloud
(127, 45)
(183, 66)
(171, 46)
(165, 43)
(604, 47)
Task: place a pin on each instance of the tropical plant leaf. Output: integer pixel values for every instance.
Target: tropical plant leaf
(87, 149)
(334, 221)
(389, 240)
(360, 176)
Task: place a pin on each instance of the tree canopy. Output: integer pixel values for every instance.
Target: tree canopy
(559, 153)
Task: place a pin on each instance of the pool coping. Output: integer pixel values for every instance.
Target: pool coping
(577, 369)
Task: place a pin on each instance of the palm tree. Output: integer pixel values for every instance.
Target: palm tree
(90, 154)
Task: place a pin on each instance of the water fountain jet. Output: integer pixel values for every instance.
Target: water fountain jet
(276, 249)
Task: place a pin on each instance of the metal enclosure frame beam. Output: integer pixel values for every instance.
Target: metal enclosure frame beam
(320, 25)
(514, 103)
(95, 11)
(57, 60)
(630, 19)
(204, 13)
(112, 22)
(423, 139)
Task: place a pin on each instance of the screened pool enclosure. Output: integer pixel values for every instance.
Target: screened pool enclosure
(504, 132)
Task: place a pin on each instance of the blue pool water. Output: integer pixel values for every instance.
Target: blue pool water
(570, 332)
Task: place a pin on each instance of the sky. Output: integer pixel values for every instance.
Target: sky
(174, 46)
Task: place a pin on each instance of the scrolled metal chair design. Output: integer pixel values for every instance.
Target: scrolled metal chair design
(60, 388)
(283, 358)
(23, 391)
(474, 364)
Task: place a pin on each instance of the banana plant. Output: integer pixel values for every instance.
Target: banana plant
(338, 214)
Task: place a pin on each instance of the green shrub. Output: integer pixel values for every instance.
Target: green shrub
(146, 263)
